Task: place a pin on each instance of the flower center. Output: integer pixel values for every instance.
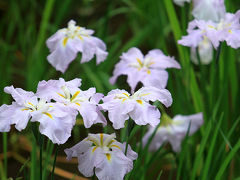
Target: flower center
(143, 65)
(72, 98)
(105, 143)
(42, 106)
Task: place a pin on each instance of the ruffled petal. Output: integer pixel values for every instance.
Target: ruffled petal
(62, 55)
(145, 114)
(20, 96)
(154, 94)
(159, 60)
(13, 114)
(56, 123)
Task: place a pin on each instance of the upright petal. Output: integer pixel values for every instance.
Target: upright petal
(19, 95)
(159, 60)
(154, 94)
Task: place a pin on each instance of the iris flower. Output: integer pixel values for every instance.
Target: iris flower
(149, 69)
(121, 106)
(104, 155)
(56, 121)
(67, 42)
(228, 29)
(69, 94)
(209, 10)
(173, 131)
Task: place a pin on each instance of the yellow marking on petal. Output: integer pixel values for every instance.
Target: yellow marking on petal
(139, 62)
(108, 156)
(48, 114)
(230, 31)
(115, 146)
(151, 63)
(80, 37)
(30, 104)
(110, 143)
(126, 94)
(210, 26)
(25, 109)
(94, 142)
(101, 139)
(65, 41)
(75, 95)
(94, 149)
(139, 101)
(78, 104)
(148, 71)
(124, 99)
(145, 94)
(61, 95)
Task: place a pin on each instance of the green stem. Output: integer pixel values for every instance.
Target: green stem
(130, 127)
(54, 162)
(126, 147)
(5, 152)
(41, 140)
(218, 53)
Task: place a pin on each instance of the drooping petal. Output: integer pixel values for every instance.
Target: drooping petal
(62, 55)
(113, 167)
(145, 114)
(56, 123)
(91, 115)
(156, 78)
(79, 148)
(205, 50)
(183, 122)
(118, 111)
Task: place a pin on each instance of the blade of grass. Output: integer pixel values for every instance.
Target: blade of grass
(201, 150)
(43, 26)
(226, 162)
(184, 57)
(211, 149)
(33, 160)
(54, 162)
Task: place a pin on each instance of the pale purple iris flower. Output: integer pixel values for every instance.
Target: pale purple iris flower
(65, 44)
(206, 9)
(121, 106)
(228, 29)
(149, 69)
(69, 94)
(104, 155)
(205, 51)
(209, 10)
(56, 121)
(173, 131)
